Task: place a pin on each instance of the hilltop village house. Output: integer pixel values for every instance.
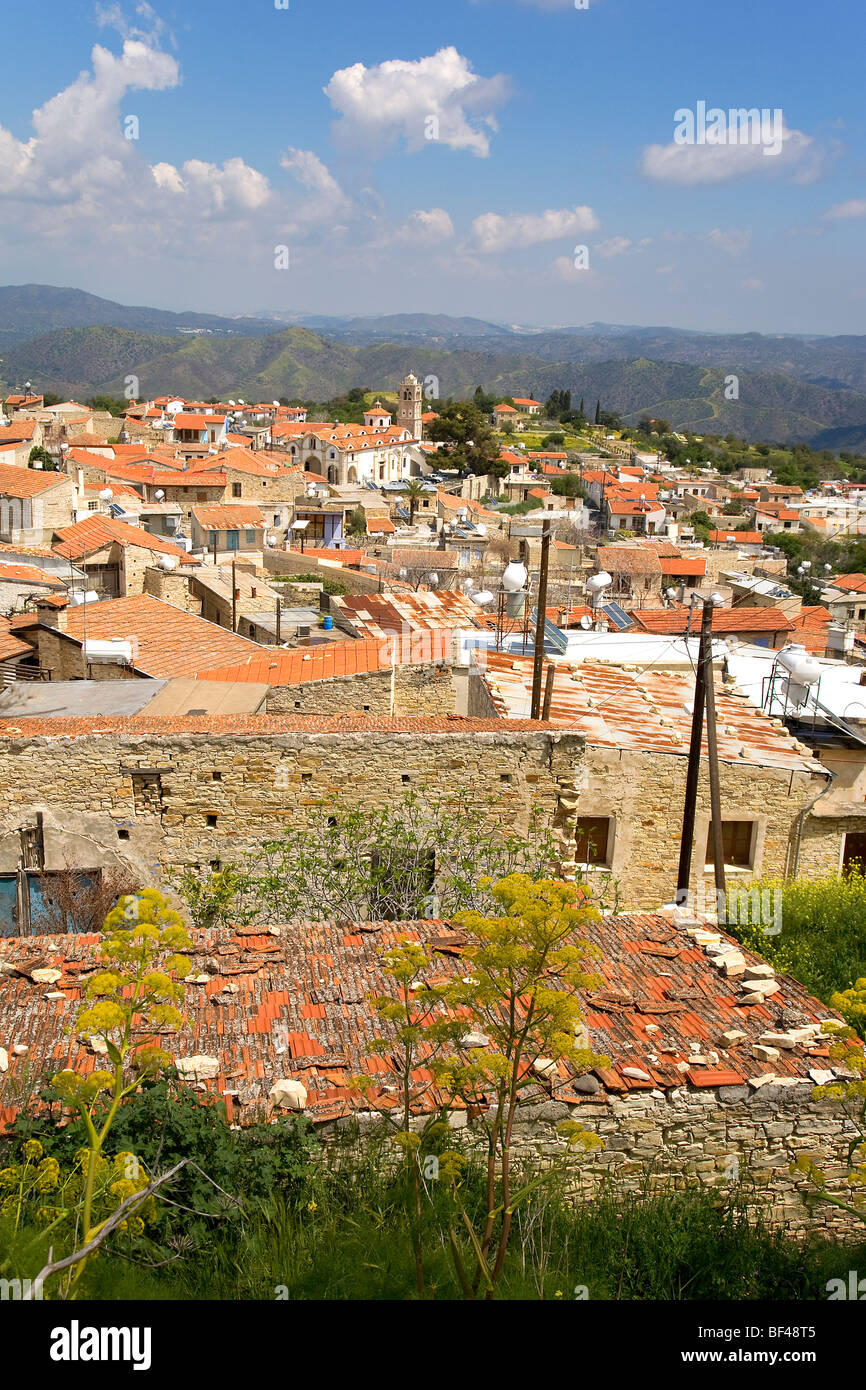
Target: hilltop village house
(606, 773)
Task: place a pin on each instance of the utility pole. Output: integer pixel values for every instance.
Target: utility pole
(715, 789)
(538, 655)
(548, 691)
(234, 598)
(279, 619)
(694, 763)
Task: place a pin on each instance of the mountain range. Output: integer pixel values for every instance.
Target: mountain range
(790, 388)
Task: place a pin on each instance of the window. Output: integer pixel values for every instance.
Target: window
(250, 536)
(211, 539)
(737, 839)
(592, 840)
(236, 489)
(276, 518)
(211, 820)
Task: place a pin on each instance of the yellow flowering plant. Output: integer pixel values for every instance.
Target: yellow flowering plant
(849, 1090)
(126, 1005)
(517, 989)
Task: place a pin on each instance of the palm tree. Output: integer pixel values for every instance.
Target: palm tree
(414, 492)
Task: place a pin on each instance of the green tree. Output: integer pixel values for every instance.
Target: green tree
(414, 493)
(39, 455)
(466, 439)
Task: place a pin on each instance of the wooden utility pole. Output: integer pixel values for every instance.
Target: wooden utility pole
(694, 763)
(214, 548)
(279, 619)
(548, 691)
(715, 788)
(234, 598)
(538, 655)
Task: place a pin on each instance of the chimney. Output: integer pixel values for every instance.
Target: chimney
(52, 616)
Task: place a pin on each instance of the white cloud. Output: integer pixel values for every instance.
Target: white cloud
(493, 232)
(436, 99)
(309, 170)
(798, 156)
(614, 246)
(426, 227)
(733, 241)
(854, 207)
(78, 147)
(234, 185)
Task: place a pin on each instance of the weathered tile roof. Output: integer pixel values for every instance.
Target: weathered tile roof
(260, 725)
(168, 641)
(28, 482)
(96, 532)
(378, 615)
(300, 1006)
(225, 518)
(618, 709)
(336, 659)
(738, 619)
(629, 559)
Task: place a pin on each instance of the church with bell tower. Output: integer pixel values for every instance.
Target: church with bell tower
(410, 408)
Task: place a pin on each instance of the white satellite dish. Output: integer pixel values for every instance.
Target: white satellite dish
(433, 579)
(159, 495)
(167, 563)
(586, 622)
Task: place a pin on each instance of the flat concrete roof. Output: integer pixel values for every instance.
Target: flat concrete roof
(177, 696)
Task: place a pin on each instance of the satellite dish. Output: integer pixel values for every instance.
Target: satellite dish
(481, 529)
(240, 402)
(402, 572)
(586, 622)
(275, 403)
(64, 448)
(167, 563)
(483, 597)
(433, 579)
(159, 495)
(468, 585)
(232, 402)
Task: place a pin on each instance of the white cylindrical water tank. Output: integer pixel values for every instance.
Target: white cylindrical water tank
(802, 667)
(514, 577)
(597, 583)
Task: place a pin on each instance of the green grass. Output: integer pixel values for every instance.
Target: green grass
(823, 938)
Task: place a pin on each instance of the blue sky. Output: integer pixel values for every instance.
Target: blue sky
(552, 129)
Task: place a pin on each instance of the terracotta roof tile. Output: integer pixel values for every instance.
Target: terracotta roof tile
(309, 991)
(167, 641)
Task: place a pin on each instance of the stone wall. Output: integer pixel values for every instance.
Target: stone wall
(221, 792)
(292, 562)
(418, 690)
(728, 1138)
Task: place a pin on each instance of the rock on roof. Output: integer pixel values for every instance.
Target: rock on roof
(302, 1009)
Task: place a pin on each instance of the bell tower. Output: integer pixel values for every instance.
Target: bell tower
(410, 407)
